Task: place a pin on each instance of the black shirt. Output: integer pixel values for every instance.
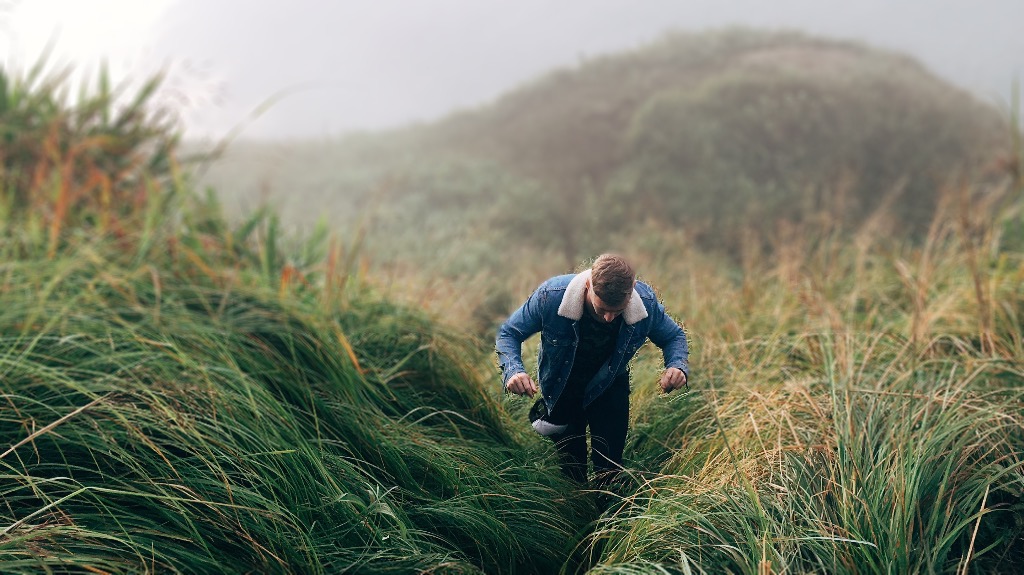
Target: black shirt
(597, 342)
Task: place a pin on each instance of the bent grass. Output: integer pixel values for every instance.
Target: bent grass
(179, 394)
(855, 414)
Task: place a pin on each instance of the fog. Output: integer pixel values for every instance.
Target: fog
(320, 68)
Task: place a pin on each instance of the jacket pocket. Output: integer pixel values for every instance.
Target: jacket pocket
(556, 340)
(556, 354)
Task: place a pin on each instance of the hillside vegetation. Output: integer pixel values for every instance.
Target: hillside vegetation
(184, 392)
(858, 410)
(180, 395)
(717, 133)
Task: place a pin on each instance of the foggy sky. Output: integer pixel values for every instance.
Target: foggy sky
(344, 65)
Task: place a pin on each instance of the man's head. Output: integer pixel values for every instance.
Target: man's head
(611, 280)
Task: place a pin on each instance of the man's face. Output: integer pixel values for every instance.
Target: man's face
(600, 310)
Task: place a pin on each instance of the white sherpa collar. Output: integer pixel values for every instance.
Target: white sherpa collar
(572, 302)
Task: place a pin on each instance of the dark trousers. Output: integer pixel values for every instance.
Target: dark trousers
(608, 419)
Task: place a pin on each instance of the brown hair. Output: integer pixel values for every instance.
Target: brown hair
(612, 278)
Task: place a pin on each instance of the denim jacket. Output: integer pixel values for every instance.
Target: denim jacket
(555, 309)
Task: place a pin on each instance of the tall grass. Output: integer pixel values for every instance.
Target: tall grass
(860, 411)
(180, 426)
(886, 467)
(183, 395)
(90, 167)
(179, 393)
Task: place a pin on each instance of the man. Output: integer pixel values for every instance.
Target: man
(591, 325)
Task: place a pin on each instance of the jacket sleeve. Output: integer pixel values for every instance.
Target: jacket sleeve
(524, 322)
(670, 337)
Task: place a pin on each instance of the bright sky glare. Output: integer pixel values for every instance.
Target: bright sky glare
(83, 32)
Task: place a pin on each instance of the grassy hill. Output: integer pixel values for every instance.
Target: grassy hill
(182, 395)
(183, 392)
(715, 133)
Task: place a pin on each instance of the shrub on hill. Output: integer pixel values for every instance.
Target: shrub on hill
(89, 167)
(789, 135)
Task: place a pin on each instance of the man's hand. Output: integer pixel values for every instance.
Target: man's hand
(673, 378)
(521, 384)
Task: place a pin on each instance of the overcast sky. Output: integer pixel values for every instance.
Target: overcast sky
(346, 64)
